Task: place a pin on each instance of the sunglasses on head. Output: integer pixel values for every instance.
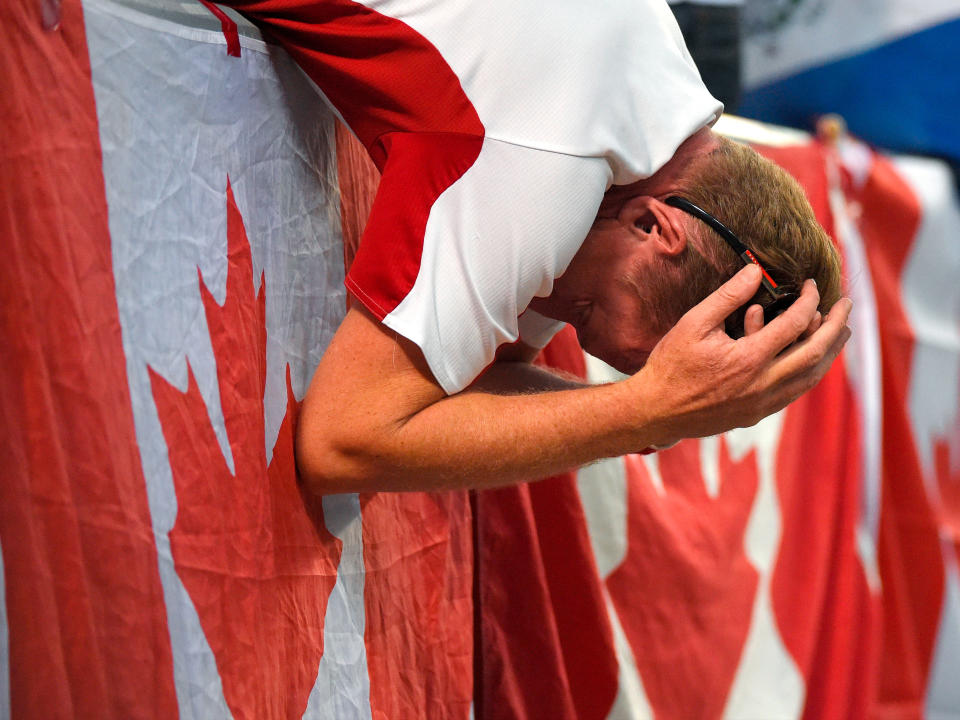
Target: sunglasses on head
(782, 299)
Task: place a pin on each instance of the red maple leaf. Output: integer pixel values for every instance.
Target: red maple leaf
(685, 590)
(252, 551)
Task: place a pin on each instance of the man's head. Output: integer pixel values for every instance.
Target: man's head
(645, 263)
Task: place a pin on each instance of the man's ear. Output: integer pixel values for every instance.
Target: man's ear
(651, 220)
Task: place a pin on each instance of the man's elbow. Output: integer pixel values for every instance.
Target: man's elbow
(327, 466)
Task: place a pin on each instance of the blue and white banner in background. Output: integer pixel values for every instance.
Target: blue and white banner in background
(887, 66)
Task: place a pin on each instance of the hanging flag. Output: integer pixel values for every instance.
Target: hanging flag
(175, 247)
(171, 187)
(805, 567)
(885, 66)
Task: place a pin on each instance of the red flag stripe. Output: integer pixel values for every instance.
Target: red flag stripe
(88, 631)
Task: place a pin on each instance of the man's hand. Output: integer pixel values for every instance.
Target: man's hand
(698, 381)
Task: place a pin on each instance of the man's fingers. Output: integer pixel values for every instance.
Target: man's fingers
(806, 381)
(715, 308)
(813, 327)
(783, 331)
(753, 320)
(789, 388)
(820, 349)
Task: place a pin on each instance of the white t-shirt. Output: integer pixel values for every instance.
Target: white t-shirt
(497, 125)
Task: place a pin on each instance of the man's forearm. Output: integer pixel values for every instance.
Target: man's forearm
(480, 438)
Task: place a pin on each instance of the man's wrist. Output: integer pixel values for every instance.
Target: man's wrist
(650, 428)
(626, 417)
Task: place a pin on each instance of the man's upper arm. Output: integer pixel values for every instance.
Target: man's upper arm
(364, 361)
(369, 381)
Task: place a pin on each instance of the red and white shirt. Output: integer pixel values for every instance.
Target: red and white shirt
(497, 126)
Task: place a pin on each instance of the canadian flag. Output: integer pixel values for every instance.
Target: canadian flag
(174, 229)
(806, 567)
(177, 208)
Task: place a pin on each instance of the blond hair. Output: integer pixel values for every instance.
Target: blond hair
(769, 212)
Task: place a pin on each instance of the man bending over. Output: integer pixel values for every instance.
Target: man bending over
(543, 165)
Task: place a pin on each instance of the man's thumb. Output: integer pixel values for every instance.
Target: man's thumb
(734, 293)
